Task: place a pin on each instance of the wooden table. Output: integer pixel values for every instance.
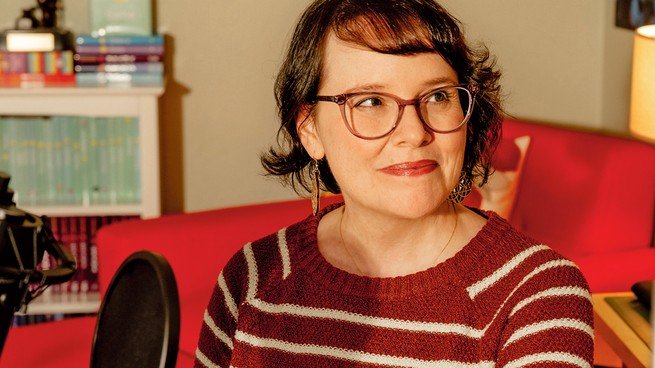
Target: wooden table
(633, 351)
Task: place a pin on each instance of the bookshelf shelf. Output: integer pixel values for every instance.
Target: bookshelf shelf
(88, 302)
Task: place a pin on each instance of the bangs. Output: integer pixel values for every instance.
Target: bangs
(386, 28)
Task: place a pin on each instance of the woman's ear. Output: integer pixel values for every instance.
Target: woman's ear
(308, 133)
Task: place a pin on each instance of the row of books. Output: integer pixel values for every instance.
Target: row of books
(71, 160)
(30, 319)
(119, 59)
(23, 69)
(78, 234)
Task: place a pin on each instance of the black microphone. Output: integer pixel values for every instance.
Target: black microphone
(24, 239)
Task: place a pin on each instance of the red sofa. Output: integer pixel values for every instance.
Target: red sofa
(588, 195)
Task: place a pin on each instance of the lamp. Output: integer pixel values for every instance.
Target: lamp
(639, 15)
(642, 99)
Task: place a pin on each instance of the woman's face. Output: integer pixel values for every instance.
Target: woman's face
(407, 174)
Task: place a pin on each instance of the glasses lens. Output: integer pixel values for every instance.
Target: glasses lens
(371, 115)
(445, 109)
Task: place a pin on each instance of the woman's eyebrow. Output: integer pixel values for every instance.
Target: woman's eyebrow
(377, 87)
(368, 87)
(439, 81)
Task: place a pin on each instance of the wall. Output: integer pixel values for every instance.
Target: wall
(563, 62)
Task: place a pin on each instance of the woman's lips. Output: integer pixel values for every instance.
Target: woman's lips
(415, 168)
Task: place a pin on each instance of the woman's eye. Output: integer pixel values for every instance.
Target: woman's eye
(439, 96)
(370, 101)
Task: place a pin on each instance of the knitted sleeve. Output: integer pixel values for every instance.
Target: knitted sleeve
(550, 320)
(220, 318)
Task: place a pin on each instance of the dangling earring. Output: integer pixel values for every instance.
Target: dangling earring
(462, 189)
(316, 187)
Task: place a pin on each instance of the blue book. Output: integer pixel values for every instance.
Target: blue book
(134, 79)
(120, 40)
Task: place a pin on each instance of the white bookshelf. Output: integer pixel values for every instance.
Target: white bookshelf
(139, 102)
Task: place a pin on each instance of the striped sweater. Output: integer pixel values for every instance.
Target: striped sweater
(501, 301)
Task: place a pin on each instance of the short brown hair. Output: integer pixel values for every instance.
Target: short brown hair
(403, 27)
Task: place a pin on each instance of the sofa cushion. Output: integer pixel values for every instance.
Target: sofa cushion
(500, 192)
(59, 344)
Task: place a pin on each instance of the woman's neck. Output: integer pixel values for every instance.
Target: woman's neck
(378, 245)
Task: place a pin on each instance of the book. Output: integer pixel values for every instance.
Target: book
(37, 80)
(116, 49)
(50, 63)
(134, 79)
(132, 17)
(120, 40)
(91, 59)
(121, 68)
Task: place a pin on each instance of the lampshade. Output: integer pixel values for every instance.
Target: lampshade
(642, 100)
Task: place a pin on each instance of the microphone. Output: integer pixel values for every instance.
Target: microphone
(24, 239)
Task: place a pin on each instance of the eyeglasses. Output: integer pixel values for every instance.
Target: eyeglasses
(373, 115)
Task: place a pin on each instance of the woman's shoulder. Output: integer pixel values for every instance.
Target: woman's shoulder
(501, 254)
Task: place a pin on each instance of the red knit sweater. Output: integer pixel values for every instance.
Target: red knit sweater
(503, 300)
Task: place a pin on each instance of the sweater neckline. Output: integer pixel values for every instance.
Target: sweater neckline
(447, 272)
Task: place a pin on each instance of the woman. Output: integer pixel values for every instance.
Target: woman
(383, 102)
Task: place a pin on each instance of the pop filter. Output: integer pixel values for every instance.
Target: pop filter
(24, 239)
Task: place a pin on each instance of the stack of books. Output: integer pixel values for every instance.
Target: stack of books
(36, 69)
(72, 160)
(119, 60)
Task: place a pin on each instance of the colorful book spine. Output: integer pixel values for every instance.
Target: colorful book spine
(135, 79)
(55, 62)
(91, 59)
(120, 40)
(131, 49)
(120, 68)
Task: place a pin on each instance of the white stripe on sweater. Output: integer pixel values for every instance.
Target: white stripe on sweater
(284, 253)
(393, 324)
(503, 271)
(217, 331)
(229, 301)
(551, 324)
(351, 355)
(204, 360)
(533, 273)
(253, 277)
(550, 357)
(551, 293)
(375, 321)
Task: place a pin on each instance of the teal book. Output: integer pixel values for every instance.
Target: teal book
(57, 161)
(83, 160)
(122, 17)
(119, 40)
(127, 79)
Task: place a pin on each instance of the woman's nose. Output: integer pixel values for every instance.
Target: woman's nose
(410, 129)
